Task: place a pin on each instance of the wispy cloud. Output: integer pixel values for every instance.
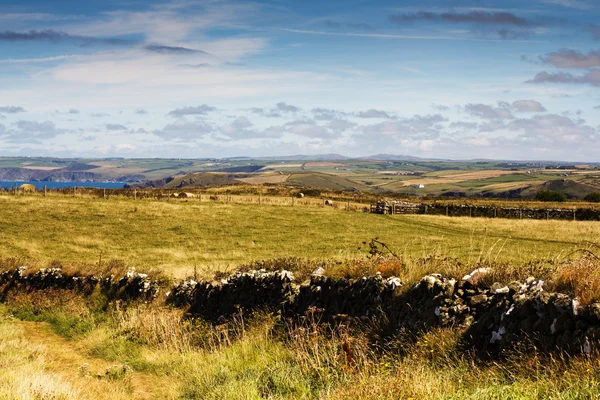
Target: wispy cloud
(11, 109)
(115, 127)
(30, 132)
(567, 58)
(288, 108)
(592, 78)
(8, 17)
(579, 4)
(382, 35)
(372, 113)
(161, 49)
(361, 26)
(38, 60)
(528, 106)
(54, 36)
(185, 130)
(198, 110)
(477, 17)
(488, 112)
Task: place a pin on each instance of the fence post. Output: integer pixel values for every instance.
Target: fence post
(134, 194)
(574, 215)
(104, 193)
(520, 213)
(44, 190)
(292, 201)
(323, 203)
(470, 211)
(446, 211)
(348, 206)
(74, 190)
(495, 212)
(259, 199)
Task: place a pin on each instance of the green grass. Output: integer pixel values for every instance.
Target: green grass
(149, 351)
(324, 181)
(261, 362)
(178, 235)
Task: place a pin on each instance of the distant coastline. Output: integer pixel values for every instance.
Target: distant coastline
(63, 185)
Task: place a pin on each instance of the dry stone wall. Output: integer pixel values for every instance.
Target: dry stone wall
(492, 319)
(579, 214)
(465, 210)
(131, 286)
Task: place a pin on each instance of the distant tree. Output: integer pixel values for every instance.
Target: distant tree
(593, 197)
(551, 195)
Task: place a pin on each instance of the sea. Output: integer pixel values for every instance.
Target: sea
(63, 185)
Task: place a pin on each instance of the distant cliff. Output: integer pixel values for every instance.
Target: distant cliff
(60, 175)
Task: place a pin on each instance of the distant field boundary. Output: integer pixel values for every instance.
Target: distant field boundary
(466, 210)
(197, 196)
(570, 212)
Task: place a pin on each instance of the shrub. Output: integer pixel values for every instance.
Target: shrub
(550, 195)
(593, 197)
(118, 372)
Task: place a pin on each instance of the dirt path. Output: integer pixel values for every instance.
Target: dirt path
(64, 357)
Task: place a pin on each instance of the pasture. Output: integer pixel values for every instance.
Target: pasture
(64, 346)
(177, 235)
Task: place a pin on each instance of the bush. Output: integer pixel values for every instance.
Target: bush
(550, 195)
(593, 197)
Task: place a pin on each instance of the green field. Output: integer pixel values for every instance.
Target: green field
(178, 235)
(450, 178)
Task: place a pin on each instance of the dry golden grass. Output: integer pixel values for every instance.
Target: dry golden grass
(272, 178)
(455, 177)
(580, 277)
(177, 236)
(258, 358)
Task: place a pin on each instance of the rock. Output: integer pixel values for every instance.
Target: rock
(515, 287)
(575, 306)
(497, 335)
(495, 285)
(475, 276)
(393, 283)
(477, 300)
(529, 280)
(449, 287)
(502, 290)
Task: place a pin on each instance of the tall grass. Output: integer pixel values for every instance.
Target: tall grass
(262, 358)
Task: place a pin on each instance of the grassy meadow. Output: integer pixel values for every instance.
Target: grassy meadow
(57, 345)
(177, 235)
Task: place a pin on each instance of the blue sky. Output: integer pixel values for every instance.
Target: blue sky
(212, 78)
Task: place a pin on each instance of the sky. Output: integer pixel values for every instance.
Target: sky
(495, 79)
